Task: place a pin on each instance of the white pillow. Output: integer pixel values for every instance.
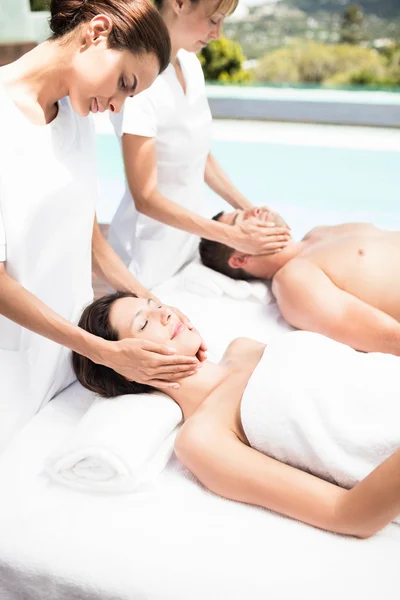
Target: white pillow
(119, 445)
(202, 280)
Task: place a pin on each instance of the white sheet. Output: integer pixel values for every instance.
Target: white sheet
(177, 541)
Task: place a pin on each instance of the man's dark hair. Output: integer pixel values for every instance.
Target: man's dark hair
(101, 379)
(216, 256)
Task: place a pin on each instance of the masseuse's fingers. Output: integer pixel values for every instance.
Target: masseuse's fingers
(272, 251)
(160, 384)
(168, 351)
(143, 361)
(277, 239)
(262, 229)
(172, 377)
(156, 300)
(275, 246)
(201, 355)
(266, 229)
(202, 352)
(173, 370)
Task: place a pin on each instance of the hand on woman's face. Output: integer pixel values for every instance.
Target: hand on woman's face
(144, 319)
(102, 79)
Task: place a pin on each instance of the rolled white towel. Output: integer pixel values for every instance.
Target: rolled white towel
(119, 445)
(202, 280)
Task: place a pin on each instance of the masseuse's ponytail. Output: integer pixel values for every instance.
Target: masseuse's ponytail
(137, 25)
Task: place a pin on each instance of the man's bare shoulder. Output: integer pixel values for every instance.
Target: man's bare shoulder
(293, 271)
(295, 280)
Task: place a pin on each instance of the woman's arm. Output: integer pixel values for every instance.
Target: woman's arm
(216, 178)
(231, 469)
(138, 360)
(140, 160)
(108, 266)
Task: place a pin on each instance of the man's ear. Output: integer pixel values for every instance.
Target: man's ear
(238, 260)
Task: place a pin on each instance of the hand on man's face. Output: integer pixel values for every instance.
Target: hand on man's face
(254, 216)
(267, 215)
(264, 214)
(260, 214)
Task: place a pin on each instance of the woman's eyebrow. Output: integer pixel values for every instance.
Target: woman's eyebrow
(141, 310)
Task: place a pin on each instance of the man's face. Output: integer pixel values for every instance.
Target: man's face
(255, 214)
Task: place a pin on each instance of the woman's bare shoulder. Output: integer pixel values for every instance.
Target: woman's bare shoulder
(242, 348)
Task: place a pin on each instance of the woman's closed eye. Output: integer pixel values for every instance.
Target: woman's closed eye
(143, 326)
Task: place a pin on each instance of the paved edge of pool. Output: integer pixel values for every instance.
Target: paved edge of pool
(339, 107)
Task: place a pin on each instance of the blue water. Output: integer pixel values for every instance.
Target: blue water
(308, 185)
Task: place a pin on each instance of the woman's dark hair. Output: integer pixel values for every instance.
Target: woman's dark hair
(137, 25)
(101, 379)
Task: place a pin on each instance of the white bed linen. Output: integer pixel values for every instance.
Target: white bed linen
(176, 541)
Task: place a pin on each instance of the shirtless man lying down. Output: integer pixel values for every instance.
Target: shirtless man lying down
(342, 281)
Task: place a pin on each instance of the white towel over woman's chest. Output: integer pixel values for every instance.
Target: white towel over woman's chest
(319, 405)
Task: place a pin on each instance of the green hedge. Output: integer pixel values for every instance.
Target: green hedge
(340, 64)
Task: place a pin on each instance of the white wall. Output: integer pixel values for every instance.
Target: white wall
(19, 24)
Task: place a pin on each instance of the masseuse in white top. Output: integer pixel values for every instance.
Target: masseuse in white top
(101, 52)
(166, 137)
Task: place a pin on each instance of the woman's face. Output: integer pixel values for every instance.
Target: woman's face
(199, 24)
(102, 78)
(144, 319)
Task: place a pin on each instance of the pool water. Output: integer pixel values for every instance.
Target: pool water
(309, 182)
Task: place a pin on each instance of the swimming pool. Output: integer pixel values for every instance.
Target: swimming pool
(312, 174)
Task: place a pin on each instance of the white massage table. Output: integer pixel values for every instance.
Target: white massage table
(176, 541)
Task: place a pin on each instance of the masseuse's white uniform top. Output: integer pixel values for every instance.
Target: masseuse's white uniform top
(47, 196)
(181, 125)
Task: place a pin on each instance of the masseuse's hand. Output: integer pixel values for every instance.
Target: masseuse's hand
(258, 236)
(150, 363)
(267, 215)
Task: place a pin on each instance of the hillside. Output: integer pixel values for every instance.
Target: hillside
(386, 9)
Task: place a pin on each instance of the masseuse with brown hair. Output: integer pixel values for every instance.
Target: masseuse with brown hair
(101, 52)
(166, 142)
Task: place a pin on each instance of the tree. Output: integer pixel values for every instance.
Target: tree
(352, 27)
(40, 4)
(222, 61)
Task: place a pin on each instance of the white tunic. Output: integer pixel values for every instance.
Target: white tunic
(181, 125)
(323, 407)
(47, 196)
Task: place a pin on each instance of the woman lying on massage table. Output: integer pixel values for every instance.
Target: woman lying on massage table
(305, 426)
